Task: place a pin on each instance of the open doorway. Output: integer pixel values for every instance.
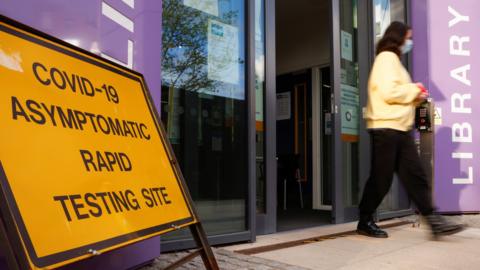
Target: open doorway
(304, 114)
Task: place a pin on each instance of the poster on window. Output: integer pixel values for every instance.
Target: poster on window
(347, 50)
(283, 106)
(223, 52)
(207, 6)
(350, 110)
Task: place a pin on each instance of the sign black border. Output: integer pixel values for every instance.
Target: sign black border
(14, 215)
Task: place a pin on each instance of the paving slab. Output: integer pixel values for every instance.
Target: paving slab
(294, 235)
(227, 260)
(406, 248)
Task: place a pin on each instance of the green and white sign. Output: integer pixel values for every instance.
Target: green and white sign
(349, 109)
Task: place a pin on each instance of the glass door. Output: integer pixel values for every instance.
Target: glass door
(396, 202)
(349, 62)
(356, 26)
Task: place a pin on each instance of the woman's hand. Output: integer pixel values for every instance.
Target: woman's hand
(423, 95)
(422, 88)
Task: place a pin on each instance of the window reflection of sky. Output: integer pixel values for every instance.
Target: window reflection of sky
(382, 16)
(259, 58)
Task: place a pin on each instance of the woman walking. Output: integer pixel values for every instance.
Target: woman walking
(392, 98)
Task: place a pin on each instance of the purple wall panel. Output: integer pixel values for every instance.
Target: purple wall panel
(455, 184)
(84, 23)
(420, 39)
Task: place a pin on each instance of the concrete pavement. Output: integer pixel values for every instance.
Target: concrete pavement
(407, 248)
(227, 260)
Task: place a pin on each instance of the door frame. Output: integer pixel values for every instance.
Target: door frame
(266, 223)
(317, 140)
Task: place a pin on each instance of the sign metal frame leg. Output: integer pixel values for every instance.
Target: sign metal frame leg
(205, 251)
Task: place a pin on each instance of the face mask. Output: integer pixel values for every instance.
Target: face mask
(407, 47)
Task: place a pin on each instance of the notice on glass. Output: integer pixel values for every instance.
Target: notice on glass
(207, 6)
(350, 110)
(223, 53)
(347, 51)
(283, 106)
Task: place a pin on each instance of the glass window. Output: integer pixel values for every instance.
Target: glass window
(204, 106)
(385, 12)
(259, 100)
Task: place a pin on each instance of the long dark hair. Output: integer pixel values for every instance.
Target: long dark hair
(393, 38)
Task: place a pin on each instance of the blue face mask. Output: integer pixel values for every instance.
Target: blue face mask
(407, 47)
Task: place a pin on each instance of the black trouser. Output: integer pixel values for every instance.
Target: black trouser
(395, 151)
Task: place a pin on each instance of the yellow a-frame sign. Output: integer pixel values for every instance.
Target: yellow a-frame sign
(85, 166)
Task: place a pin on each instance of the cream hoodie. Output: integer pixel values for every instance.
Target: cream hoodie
(391, 94)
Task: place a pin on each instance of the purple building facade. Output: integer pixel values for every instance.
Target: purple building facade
(128, 32)
(447, 60)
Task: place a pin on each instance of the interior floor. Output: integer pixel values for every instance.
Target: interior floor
(297, 218)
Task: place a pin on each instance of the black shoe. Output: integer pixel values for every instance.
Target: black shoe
(440, 226)
(369, 228)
